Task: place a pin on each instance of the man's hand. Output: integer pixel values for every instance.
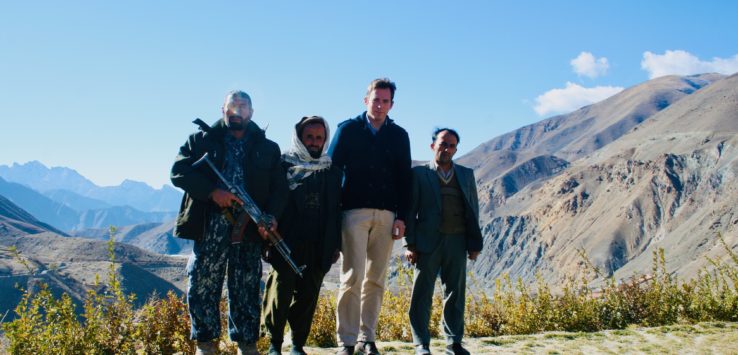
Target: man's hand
(411, 256)
(473, 255)
(264, 233)
(224, 199)
(398, 229)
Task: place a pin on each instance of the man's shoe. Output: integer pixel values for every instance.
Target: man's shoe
(422, 349)
(275, 349)
(297, 350)
(367, 348)
(207, 347)
(346, 350)
(456, 349)
(247, 348)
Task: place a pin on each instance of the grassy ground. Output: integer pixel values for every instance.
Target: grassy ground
(702, 338)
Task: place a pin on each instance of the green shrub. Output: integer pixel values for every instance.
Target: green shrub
(110, 323)
(323, 329)
(45, 325)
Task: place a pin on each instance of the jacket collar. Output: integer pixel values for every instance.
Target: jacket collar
(362, 119)
(432, 175)
(432, 165)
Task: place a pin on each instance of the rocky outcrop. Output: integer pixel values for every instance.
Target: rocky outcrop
(534, 170)
(575, 135)
(669, 183)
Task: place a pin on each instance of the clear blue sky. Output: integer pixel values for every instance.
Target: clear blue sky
(109, 88)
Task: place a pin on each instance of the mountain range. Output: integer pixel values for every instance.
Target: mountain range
(154, 237)
(653, 167)
(72, 265)
(64, 210)
(70, 202)
(67, 186)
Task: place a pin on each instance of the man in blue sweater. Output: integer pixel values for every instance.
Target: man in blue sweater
(374, 154)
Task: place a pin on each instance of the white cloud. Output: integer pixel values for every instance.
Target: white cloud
(587, 65)
(571, 98)
(684, 63)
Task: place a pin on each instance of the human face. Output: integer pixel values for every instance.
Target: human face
(313, 138)
(378, 104)
(444, 148)
(237, 113)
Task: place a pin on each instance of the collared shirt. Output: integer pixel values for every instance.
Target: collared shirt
(369, 124)
(444, 175)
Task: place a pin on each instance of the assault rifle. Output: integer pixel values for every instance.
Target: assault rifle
(261, 219)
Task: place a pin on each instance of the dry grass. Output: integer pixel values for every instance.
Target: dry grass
(575, 320)
(700, 338)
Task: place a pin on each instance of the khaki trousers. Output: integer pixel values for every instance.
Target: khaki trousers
(366, 250)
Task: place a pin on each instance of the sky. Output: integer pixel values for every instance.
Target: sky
(110, 88)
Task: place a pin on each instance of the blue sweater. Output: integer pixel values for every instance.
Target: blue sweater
(376, 167)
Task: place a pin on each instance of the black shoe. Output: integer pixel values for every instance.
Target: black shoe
(275, 349)
(422, 349)
(346, 350)
(297, 350)
(456, 349)
(367, 348)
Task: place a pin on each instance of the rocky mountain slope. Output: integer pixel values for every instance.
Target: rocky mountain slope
(32, 252)
(39, 206)
(533, 153)
(71, 265)
(15, 221)
(154, 237)
(669, 182)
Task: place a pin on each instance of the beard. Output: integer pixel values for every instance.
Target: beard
(236, 123)
(314, 153)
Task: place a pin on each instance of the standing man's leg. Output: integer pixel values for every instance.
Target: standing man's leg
(206, 270)
(453, 278)
(244, 276)
(302, 309)
(355, 233)
(379, 250)
(421, 301)
(280, 287)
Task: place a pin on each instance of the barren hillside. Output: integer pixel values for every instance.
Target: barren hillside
(669, 183)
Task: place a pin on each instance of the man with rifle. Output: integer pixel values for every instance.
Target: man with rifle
(238, 148)
(311, 226)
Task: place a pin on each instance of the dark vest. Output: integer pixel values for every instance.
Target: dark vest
(453, 208)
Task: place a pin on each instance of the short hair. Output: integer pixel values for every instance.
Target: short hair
(449, 130)
(382, 83)
(239, 94)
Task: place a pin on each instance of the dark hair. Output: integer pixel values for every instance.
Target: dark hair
(307, 120)
(382, 83)
(239, 94)
(449, 130)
